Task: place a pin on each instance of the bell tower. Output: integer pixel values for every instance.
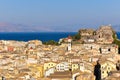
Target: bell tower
(69, 43)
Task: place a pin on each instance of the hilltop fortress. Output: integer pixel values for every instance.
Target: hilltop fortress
(92, 56)
(104, 35)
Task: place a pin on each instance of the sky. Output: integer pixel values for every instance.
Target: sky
(57, 15)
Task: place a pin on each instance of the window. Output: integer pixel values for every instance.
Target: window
(99, 36)
(108, 68)
(102, 67)
(100, 50)
(109, 49)
(91, 47)
(107, 72)
(74, 65)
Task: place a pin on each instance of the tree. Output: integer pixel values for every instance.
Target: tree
(116, 41)
(76, 37)
(50, 42)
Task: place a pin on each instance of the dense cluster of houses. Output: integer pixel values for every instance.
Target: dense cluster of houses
(34, 61)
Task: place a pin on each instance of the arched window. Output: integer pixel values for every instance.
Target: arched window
(109, 49)
(99, 36)
(91, 47)
(100, 50)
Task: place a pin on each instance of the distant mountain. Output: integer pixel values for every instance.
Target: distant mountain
(8, 27)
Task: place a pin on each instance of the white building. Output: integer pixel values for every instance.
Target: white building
(81, 66)
(69, 44)
(63, 66)
(31, 61)
(49, 71)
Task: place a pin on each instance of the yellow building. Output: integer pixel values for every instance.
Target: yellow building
(37, 70)
(106, 67)
(49, 65)
(74, 66)
(41, 70)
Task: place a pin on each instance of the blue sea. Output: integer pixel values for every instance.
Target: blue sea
(118, 35)
(43, 36)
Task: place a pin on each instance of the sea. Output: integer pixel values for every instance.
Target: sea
(43, 36)
(118, 35)
(27, 36)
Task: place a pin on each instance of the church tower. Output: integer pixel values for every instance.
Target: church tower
(69, 43)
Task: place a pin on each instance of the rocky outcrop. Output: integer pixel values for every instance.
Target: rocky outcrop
(104, 35)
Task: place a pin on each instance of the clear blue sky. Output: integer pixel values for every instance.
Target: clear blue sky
(68, 15)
